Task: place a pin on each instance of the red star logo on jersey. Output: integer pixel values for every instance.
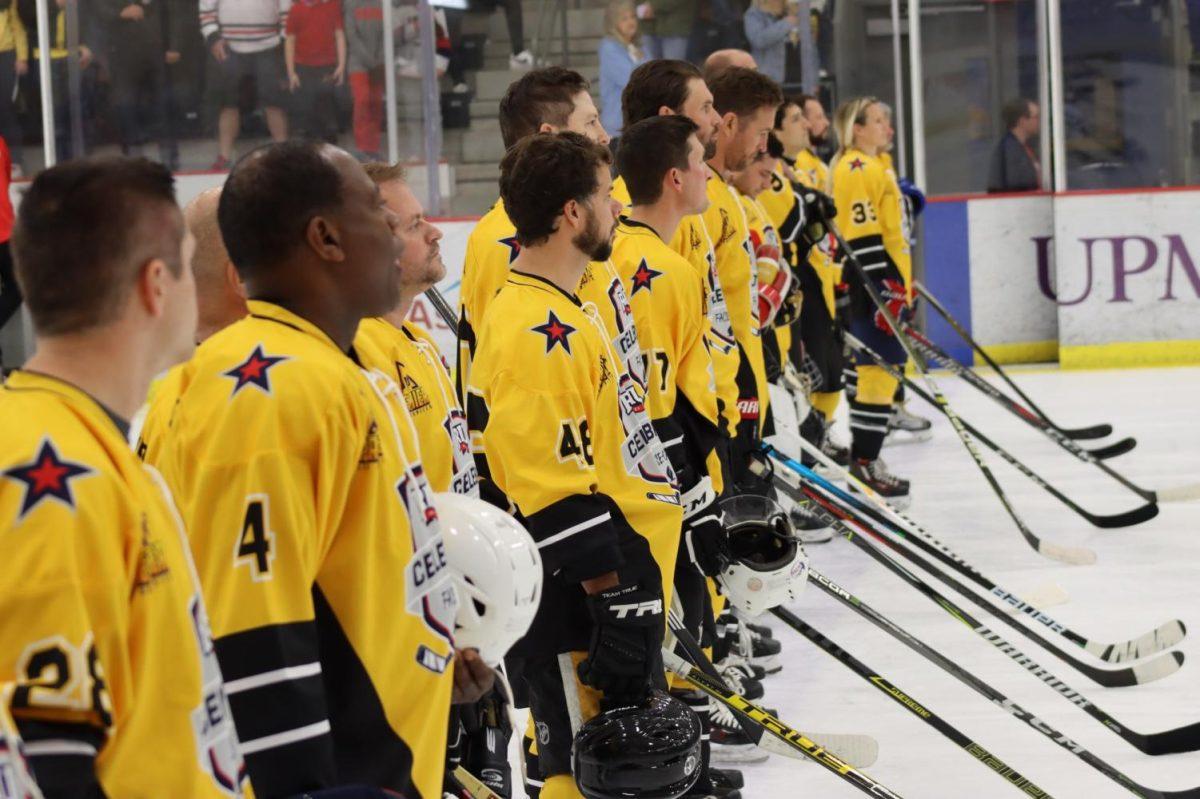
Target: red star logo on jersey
(255, 370)
(895, 299)
(644, 277)
(47, 476)
(513, 246)
(857, 164)
(556, 332)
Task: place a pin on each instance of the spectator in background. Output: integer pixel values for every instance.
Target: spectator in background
(14, 62)
(521, 58)
(364, 40)
(668, 27)
(144, 36)
(315, 54)
(1015, 165)
(729, 57)
(619, 54)
(768, 29)
(27, 10)
(244, 37)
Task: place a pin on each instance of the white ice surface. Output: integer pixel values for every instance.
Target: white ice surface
(1144, 576)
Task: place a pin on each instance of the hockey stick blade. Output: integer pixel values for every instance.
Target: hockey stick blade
(473, 785)
(1113, 450)
(909, 703)
(1148, 644)
(864, 610)
(1042, 597)
(1085, 433)
(1075, 556)
(1151, 643)
(788, 735)
(1186, 493)
(1127, 518)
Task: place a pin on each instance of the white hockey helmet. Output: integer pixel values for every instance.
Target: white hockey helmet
(497, 573)
(768, 564)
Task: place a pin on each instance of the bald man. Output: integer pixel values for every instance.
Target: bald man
(730, 57)
(220, 301)
(220, 295)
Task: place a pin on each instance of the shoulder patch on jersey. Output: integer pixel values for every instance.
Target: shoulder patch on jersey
(857, 164)
(727, 231)
(372, 451)
(693, 237)
(47, 476)
(557, 333)
(643, 278)
(254, 371)
(514, 246)
(415, 396)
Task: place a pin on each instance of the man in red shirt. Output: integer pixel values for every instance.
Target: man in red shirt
(10, 293)
(315, 52)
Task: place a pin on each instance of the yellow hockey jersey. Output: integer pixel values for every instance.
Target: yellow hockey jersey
(491, 247)
(692, 241)
(568, 441)
(320, 555)
(102, 625)
(408, 355)
(726, 220)
(871, 220)
(667, 298)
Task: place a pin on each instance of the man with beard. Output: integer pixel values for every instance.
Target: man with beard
(547, 100)
(306, 500)
(569, 442)
(746, 101)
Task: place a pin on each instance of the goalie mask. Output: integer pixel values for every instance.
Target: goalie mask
(497, 573)
(650, 750)
(768, 565)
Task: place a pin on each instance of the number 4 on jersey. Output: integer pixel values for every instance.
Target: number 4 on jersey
(256, 543)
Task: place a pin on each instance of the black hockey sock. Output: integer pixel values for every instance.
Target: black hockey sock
(868, 426)
(812, 430)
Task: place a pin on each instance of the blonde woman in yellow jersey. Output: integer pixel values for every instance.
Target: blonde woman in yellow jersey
(870, 218)
(118, 690)
(549, 99)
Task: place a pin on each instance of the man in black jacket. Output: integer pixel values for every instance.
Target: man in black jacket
(1014, 165)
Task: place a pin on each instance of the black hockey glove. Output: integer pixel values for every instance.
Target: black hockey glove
(627, 630)
(819, 211)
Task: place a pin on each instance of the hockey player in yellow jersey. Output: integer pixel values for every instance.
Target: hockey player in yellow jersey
(870, 219)
(670, 87)
(816, 350)
(406, 353)
(549, 99)
(746, 101)
(102, 626)
(312, 526)
(569, 443)
(220, 301)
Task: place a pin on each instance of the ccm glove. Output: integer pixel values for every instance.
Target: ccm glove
(705, 539)
(627, 631)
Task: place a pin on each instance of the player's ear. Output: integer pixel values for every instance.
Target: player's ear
(729, 122)
(573, 213)
(234, 281)
(665, 111)
(151, 290)
(322, 235)
(546, 127)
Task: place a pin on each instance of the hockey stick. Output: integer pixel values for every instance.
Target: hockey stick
(860, 751)
(991, 694)
(1128, 518)
(474, 787)
(1096, 431)
(442, 307)
(1164, 637)
(848, 508)
(775, 727)
(1180, 739)
(934, 352)
(906, 701)
(1075, 555)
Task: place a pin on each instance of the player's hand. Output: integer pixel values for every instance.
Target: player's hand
(627, 628)
(707, 541)
(818, 206)
(473, 679)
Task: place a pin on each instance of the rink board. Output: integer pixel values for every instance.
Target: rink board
(1092, 279)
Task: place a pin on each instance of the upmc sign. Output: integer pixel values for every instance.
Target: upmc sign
(1125, 278)
(1104, 279)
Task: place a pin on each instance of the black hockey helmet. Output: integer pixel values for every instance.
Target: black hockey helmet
(650, 750)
